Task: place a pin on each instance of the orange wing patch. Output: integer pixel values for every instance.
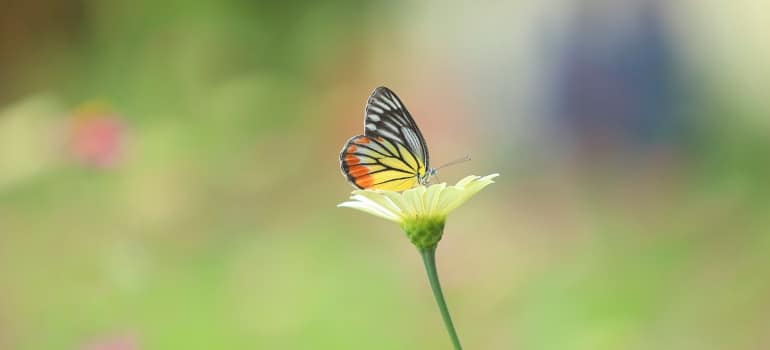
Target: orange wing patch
(351, 160)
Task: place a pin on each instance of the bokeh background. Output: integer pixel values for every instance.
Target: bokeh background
(169, 174)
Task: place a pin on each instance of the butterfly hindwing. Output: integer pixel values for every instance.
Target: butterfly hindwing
(374, 162)
(387, 117)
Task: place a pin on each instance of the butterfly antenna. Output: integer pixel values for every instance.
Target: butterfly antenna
(455, 162)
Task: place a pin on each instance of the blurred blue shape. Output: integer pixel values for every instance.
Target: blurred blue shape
(616, 85)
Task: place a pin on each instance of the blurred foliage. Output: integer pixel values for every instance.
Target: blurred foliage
(216, 228)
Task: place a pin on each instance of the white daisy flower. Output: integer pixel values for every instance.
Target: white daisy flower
(421, 211)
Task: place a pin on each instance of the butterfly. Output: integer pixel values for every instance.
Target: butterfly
(391, 154)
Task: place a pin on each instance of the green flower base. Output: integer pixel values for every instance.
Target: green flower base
(424, 232)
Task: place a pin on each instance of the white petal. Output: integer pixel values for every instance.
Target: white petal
(469, 191)
(407, 208)
(432, 195)
(381, 200)
(414, 197)
(463, 197)
(369, 209)
(399, 201)
(466, 180)
(448, 196)
(364, 198)
(489, 177)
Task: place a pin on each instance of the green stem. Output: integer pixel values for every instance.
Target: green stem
(429, 259)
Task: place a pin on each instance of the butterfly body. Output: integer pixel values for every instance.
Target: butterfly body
(391, 154)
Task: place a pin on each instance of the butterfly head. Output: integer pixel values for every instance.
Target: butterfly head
(432, 172)
(429, 174)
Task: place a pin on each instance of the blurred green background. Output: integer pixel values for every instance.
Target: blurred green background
(169, 174)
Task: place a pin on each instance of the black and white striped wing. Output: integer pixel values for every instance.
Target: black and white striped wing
(387, 117)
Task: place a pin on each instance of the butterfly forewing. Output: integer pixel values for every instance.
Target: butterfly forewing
(387, 117)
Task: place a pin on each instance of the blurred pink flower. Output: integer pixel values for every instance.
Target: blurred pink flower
(119, 342)
(96, 135)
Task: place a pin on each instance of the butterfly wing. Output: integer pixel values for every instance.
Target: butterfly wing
(374, 162)
(387, 117)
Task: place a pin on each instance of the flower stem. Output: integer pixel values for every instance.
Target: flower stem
(429, 259)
